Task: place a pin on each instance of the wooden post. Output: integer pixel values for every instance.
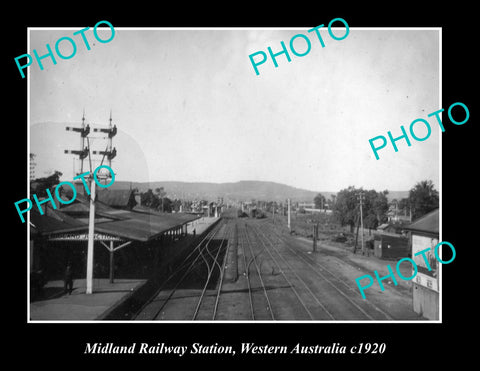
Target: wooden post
(91, 230)
(361, 221)
(111, 262)
(356, 237)
(288, 217)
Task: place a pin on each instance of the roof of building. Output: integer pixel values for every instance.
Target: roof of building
(429, 223)
(138, 226)
(115, 197)
(111, 197)
(143, 226)
(81, 206)
(53, 221)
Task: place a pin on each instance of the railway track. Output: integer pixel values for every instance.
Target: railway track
(260, 305)
(339, 289)
(207, 305)
(199, 267)
(312, 306)
(273, 280)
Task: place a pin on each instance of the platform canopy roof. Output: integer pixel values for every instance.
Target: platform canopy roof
(141, 226)
(53, 221)
(124, 224)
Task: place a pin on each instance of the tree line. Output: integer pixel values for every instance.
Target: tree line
(158, 201)
(422, 198)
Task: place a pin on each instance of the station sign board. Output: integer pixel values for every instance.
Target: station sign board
(83, 236)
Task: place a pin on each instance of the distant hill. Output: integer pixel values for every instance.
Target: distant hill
(244, 190)
(397, 195)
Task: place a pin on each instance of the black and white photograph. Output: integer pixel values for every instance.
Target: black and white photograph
(211, 185)
(229, 189)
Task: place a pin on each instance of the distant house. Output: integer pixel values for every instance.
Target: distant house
(392, 228)
(208, 210)
(394, 214)
(388, 228)
(211, 210)
(306, 205)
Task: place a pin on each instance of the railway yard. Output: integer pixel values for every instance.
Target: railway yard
(248, 269)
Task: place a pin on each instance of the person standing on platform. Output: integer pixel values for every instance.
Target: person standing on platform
(68, 279)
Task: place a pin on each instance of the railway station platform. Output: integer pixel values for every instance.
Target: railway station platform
(54, 305)
(57, 306)
(200, 225)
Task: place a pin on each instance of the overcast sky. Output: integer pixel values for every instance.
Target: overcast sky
(189, 106)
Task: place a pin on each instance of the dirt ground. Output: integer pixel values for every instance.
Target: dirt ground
(395, 299)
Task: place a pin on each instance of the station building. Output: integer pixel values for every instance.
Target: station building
(424, 234)
(129, 240)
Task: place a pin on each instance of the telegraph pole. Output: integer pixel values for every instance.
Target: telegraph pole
(83, 135)
(91, 231)
(360, 196)
(289, 225)
(85, 152)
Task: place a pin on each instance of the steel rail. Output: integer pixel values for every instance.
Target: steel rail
(222, 274)
(209, 275)
(254, 259)
(210, 236)
(296, 275)
(313, 265)
(246, 269)
(177, 270)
